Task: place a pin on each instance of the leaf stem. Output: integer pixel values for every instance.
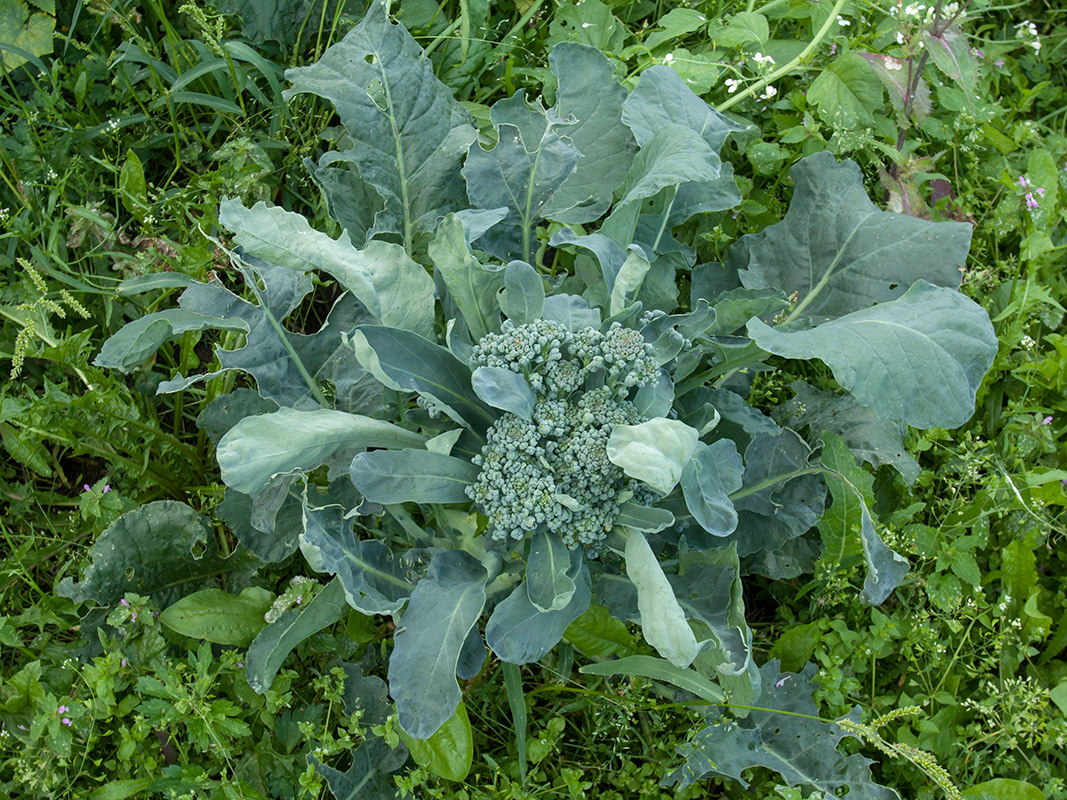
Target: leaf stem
(778, 73)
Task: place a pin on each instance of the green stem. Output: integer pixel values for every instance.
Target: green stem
(765, 81)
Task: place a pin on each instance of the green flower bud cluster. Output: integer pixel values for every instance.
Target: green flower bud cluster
(552, 472)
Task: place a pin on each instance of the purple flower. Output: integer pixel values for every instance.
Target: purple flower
(133, 616)
(62, 710)
(1031, 203)
(999, 62)
(66, 721)
(122, 662)
(1047, 421)
(85, 487)
(124, 602)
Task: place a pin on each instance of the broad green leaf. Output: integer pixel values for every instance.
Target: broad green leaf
(520, 633)
(373, 579)
(137, 340)
(443, 608)
(121, 789)
(795, 646)
(521, 176)
(919, 358)
(608, 254)
(366, 693)
(472, 285)
(449, 753)
(643, 518)
(524, 293)
(587, 22)
(839, 252)
(418, 476)
(1005, 789)
(674, 24)
(708, 479)
(708, 588)
(672, 155)
(25, 28)
(164, 549)
(847, 528)
(350, 200)
(397, 291)
(548, 584)
(501, 388)
(870, 437)
(408, 133)
(951, 51)
(846, 93)
(404, 361)
(1019, 566)
(572, 311)
(227, 410)
(588, 113)
(597, 634)
(894, 74)
(662, 619)
(219, 617)
(661, 97)
(367, 778)
(659, 670)
(132, 187)
(654, 452)
(274, 643)
(795, 744)
(259, 447)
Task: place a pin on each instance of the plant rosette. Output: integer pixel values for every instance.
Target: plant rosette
(475, 433)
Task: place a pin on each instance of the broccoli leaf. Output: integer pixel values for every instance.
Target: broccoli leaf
(708, 478)
(418, 476)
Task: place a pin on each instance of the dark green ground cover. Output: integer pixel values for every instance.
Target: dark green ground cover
(122, 129)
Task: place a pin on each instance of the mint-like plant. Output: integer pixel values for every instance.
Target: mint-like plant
(504, 441)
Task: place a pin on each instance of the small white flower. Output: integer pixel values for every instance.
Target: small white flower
(668, 59)
(892, 64)
(768, 93)
(900, 38)
(762, 60)
(1027, 341)
(844, 23)
(731, 85)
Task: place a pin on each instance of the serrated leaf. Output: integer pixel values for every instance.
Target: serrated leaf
(219, 617)
(919, 358)
(597, 634)
(398, 292)
(418, 476)
(951, 51)
(851, 529)
(870, 437)
(839, 252)
(163, 549)
(662, 619)
(260, 447)
(846, 93)
(408, 133)
(275, 642)
(443, 608)
(795, 744)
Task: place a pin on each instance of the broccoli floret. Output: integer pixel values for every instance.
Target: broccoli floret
(552, 472)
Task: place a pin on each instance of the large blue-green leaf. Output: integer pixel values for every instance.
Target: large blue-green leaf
(548, 581)
(472, 285)
(847, 528)
(405, 361)
(138, 340)
(163, 549)
(408, 133)
(521, 176)
(501, 388)
(524, 293)
(443, 608)
(659, 670)
(397, 291)
(708, 588)
(373, 579)
(708, 478)
(366, 778)
(870, 437)
(588, 112)
(260, 447)
(839, 252)
(662, 619)
(571, 311)
(519, 633)
(662, 97)
(418, 476)
(350, 200)
(275, 642)
(919, 358)
(795, 744)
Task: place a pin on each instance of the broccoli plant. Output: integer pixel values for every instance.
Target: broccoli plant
(514, 423)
